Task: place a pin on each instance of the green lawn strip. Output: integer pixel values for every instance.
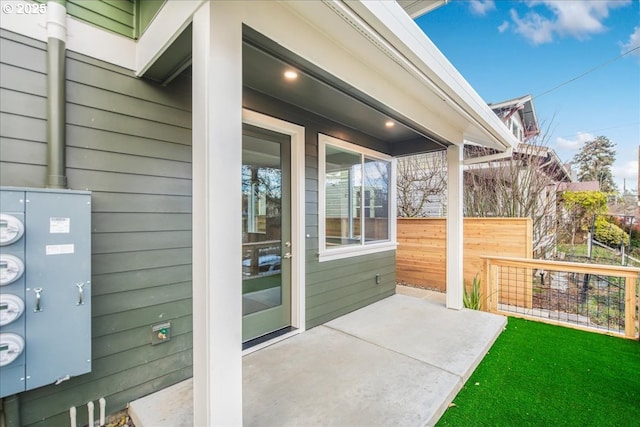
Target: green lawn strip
(543, 375)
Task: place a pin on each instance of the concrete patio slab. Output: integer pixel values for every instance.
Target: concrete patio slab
(400, 361)
(454, 341)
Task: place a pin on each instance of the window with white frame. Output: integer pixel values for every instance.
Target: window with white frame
(356, 200)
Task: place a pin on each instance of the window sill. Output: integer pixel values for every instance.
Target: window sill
(349, 252)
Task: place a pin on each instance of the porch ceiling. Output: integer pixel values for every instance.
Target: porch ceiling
(361, 63)
(315, 90)
(319, 93)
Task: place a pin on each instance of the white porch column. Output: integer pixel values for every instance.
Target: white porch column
(454, 227)
(217, 159)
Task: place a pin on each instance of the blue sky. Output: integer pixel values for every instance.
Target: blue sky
(506, 49)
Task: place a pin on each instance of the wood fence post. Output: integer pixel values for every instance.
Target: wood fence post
(630, 305)
(484, 295)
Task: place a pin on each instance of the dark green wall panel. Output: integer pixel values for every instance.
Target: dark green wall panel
(23, 104)
(16, 151)
(116, 322)
(104, 222)
(98, 98)
(93, 118)
(141, 203)
(126, 163)
(103, 243)
(127, 183)
(23, 53)
(140, 260)
(22, 175)
(132, 300)
(124, 281)
(91, 72)
(23, 127)
(23, 80)
(105, 140)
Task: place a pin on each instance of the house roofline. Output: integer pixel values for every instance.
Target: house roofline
(413, 47)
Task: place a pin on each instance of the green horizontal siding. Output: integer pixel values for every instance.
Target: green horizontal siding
(146, 11)
(129, 142)
(112, 15)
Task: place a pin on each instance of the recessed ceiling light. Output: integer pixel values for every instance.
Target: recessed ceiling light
(389, 124)
(290, 75)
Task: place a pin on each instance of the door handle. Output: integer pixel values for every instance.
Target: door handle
(288, 255)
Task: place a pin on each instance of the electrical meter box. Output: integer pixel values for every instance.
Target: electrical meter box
(45, 287)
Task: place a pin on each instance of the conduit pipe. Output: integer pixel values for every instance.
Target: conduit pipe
(56, 101)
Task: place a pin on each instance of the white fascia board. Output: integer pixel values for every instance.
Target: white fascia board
(172, 18)
(82, 38)
(390, 20)
(318, 32)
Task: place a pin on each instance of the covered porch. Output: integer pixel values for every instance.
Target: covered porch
(400, 361)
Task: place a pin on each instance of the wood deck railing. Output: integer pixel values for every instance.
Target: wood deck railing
(600, 298)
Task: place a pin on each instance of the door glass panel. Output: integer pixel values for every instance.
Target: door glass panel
(261, 226)
(266, 232)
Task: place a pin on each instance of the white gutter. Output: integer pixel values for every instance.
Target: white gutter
(411, 48)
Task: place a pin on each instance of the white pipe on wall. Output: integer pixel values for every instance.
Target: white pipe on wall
(90, 414)
(72, 416)
(103, 408)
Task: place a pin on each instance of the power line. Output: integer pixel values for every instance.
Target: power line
(601, 129)
(604, 64)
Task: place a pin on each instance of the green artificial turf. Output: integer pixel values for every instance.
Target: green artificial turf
(543, 375)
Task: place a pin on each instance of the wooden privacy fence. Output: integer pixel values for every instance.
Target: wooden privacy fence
(422, 250)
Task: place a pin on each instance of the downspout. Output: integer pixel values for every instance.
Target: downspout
(56, 102)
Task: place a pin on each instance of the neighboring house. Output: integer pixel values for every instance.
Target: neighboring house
(519, 116)
(523, 185)
(209, 134)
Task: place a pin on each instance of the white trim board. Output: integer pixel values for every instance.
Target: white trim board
(297, 134)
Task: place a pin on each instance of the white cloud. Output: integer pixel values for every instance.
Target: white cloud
(575, 143)
(503, 27)
(633, 42)
(626, 173)
(571, 18)
(481, 7)
(533, 26)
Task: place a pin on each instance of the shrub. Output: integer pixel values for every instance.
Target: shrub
(609, 234)
(471, 299)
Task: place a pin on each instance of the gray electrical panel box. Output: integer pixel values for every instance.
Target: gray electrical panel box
(45, 287)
